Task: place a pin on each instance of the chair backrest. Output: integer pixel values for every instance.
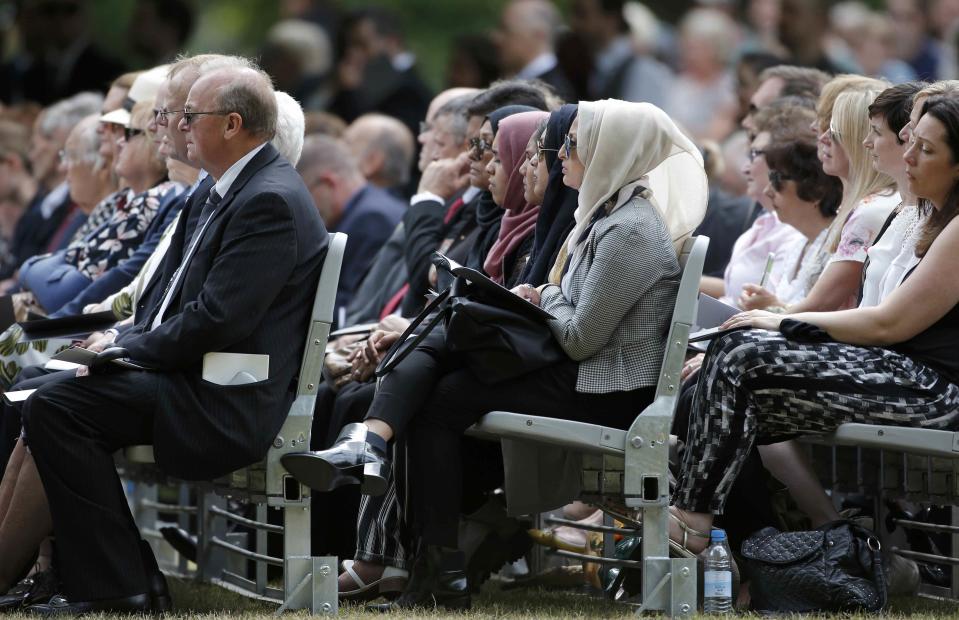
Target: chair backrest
(321, 319)
(692, 257)
(294, 436)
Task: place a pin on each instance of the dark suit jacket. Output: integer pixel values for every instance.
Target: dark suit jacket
(369, 219)
(248, 288)
(114, 279)
(33, 233)
(558, 80)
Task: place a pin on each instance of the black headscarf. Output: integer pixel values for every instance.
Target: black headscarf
(507, 110)
(489, 215)
(555, 219)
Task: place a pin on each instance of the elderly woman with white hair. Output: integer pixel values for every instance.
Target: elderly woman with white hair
(642, 189)
(702, 99)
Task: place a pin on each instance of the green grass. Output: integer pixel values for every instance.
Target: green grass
(205, 602)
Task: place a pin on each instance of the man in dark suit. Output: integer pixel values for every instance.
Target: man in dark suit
(244, 284)
(376, 71)
(526, 40)
(348, 203)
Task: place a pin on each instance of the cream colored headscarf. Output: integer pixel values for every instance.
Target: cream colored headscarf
(622, 142)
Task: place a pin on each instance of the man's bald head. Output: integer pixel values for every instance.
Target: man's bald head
(427, 135)
(383, 147)
(445, 97)
(227, 113)
(246, 92)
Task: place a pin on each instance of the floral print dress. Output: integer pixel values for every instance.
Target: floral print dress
(119, 224)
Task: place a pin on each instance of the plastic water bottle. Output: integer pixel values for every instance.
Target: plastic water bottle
(718, 575)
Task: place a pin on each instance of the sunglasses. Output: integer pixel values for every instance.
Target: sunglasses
(478, 146)
(834, 134)
(569, 145)
(778, 180)
(131, 132)
(754, 153)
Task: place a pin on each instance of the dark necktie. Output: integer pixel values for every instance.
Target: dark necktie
(212, 202)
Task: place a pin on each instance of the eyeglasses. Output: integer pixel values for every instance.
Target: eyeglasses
(131, 132)
(569, 145)
(190, 116)
(478, 146)
(163, 116)
(777, 179)
(754, 153)
(541, 148)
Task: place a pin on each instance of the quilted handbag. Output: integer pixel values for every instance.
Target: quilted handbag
(836, 568)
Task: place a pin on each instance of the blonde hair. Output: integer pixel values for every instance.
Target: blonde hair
(942, 87)
(140, 117)
(839, 85)
(850, 118)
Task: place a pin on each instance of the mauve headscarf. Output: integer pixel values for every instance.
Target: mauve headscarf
(488, 213)
(555, 219)
(519, 219)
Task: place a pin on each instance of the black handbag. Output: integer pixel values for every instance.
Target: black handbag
(499, 335)
(836, 568)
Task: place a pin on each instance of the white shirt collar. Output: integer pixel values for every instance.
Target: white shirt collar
(224, 182)
(543, 63)
(403, 61)
(470, 193)
(53, 200)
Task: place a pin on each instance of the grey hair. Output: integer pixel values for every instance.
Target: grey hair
(322, 153)
(68, 112)
(397, 144)
(457, 108)
(89, 140)
(305, 41)
(290, 127)
(204, 63)
(250, 94)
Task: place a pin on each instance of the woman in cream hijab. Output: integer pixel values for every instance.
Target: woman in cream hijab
(642, 189)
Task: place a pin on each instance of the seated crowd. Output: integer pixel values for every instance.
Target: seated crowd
(190, 202)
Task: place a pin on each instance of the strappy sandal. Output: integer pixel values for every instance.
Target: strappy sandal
(390, 584)
(687, 532)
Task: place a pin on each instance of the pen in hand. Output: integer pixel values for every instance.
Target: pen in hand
(767, 270)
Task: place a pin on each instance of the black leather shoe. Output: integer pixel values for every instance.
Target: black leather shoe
(160, 599)
(181, 540)
(438, 580)
(58, 605)
(351, 460)
(37, 588)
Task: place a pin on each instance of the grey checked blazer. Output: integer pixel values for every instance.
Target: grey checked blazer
(622, 288)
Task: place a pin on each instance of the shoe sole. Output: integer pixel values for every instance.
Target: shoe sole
(322, 477)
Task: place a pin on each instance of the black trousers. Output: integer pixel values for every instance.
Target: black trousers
(334, 515)
(73, 428)
(436, 397)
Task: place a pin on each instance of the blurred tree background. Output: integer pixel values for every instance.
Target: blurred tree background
(238, 26)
